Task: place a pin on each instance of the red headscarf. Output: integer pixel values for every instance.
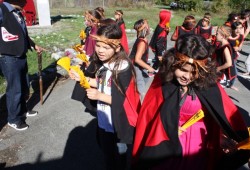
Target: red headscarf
(165, 17)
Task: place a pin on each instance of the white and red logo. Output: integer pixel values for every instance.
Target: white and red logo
(8, 36)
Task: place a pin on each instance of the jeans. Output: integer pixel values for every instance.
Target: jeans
(231, 82)
(15, 71)
(141, 80)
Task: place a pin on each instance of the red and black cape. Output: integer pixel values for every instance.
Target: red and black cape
(156, 136)
(125, 107)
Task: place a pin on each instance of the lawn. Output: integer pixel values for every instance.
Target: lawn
(67, 24)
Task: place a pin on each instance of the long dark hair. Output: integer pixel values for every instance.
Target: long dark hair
(197, 48)
(113, 31)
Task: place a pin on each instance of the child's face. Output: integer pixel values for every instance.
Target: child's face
(87, 23)
(184, 75)
(239, 30)
(147, 30)
(219, 36)
(247, 18)
(104, 51)
(117, 16)
(205, 23)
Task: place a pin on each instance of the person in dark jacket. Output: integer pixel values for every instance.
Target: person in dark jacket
(14, 43)
(158, 42)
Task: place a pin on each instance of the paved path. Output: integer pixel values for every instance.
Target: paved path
(62, 135)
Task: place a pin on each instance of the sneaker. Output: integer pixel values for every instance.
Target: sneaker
(19, 126)
(31, 113)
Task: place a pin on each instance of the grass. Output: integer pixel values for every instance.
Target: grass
(70, 22)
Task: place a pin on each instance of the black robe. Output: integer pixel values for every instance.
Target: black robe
(79, 93)
(156, 137)
(125, 106)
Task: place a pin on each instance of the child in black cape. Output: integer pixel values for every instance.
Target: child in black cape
(186, 113)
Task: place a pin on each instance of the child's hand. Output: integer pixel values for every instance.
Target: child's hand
(74, 75)
(181, 130)
(160, 58)
(228, 145)
(151, 70)
(236, 48)
(93, 94)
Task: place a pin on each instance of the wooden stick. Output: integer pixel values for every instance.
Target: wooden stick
(39, 56)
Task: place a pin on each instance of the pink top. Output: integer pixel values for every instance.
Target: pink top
(193, 141)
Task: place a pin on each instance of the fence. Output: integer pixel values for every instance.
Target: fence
(93, 3)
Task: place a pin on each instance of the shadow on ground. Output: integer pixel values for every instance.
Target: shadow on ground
(81, 152)
(57, 18)
(245, 82)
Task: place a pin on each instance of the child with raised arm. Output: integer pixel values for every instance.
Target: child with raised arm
(139, 55)
(114, 89)
(185, 112)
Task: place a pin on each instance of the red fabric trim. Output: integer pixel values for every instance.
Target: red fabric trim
(153, 133)
(156, 133)
(232, 113)
(124, 40)
(132, 103)
(163, 34)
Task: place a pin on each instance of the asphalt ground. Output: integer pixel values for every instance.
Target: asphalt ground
(62, 135)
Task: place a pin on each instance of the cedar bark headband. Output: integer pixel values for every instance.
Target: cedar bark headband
(118, 13)
(90, 17)
(112, 42)
(224, 31)
(197, 63)
(145, 23)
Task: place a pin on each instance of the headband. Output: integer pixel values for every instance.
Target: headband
(197, 63)
(90, 17)
(118, 13)
(112, 42)
(224, 31)
(206, 19)
(145, 23)
(190, 20)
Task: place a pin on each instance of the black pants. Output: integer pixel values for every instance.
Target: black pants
(117, 155)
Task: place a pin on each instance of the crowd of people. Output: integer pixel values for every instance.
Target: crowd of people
(185, 120)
